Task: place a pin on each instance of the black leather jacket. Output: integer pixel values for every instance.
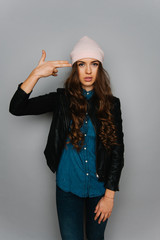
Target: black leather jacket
(108, 165)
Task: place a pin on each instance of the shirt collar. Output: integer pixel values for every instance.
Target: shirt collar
(87, 94)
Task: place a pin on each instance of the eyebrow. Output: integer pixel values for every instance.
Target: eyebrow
(91, 62)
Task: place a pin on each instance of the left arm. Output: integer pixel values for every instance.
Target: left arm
(105, 205)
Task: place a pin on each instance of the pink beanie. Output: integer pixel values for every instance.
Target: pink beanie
(86, 48)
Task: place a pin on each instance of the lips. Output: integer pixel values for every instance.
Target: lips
(88, 79)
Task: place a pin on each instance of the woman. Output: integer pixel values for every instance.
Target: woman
(85, 143)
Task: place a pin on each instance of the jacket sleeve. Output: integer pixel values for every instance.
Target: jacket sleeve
(117, 154)
(20, 103)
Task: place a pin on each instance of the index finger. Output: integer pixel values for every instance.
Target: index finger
(97, 215)
(60, 65)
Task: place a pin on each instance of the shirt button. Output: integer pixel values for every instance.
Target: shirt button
(87, 174)
(86, 113)
(97, 175)
(85, 134)
(86, 161)
(87, 93)
(84, 148)
(86, 121)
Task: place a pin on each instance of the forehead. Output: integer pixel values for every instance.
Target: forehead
(87, 60)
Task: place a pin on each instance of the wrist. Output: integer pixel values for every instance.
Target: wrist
(34, 75)
(109, 193)
(112, 198)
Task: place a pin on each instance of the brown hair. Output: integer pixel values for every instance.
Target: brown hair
(78, 107)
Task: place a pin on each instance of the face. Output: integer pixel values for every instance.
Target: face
(87, 71)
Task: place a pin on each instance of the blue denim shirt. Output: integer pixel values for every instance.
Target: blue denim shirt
(76, 172)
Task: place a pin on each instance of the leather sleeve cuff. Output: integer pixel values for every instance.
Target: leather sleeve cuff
(21, 92)
(110, 186)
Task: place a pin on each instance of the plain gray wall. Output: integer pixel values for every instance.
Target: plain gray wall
(128, 32)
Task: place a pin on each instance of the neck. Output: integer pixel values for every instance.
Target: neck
(89, 88)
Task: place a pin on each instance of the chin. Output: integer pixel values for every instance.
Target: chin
(87, 84)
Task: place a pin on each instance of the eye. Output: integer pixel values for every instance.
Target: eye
(80, 64)
(95, 64)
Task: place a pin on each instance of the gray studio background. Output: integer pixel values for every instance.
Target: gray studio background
(129, 33)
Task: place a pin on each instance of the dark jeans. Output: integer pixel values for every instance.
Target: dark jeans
(70, 209)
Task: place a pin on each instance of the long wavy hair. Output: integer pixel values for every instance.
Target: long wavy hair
(78, 108)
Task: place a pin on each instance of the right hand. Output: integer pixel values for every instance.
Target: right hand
(45, 69)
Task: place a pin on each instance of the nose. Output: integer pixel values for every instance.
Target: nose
(88, 69)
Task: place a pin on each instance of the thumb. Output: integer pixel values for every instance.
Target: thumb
(96, 209)
(43, 57)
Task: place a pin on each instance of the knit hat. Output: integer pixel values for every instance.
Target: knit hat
(86, 48)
